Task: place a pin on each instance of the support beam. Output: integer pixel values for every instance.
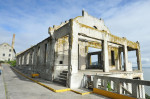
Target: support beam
(105, 55)
(73, 56)
(125, 55)
(20, 61)
(73, 49)
(134, 90)
(52, 56)
(138, 54)
(95, 82)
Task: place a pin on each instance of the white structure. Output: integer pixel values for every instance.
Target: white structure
(7, 52)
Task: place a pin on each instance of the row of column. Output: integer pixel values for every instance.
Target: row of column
(73, 54)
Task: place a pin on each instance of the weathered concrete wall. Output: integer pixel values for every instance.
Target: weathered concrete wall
(61, 55)
(37, 59)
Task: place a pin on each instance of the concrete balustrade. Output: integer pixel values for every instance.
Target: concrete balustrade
(122, 85)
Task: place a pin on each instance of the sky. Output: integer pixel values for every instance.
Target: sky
(30, 19)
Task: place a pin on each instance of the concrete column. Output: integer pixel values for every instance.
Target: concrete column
(118, 87)
(89, 60)
(134, 90)
(73, 56)
(105, 84)
(86, 59)
(95, 82)
(17, 61)
(20, 61)
(73, 49)
(52, 52)
(142, 88)
(120, 59)
(52, 57)
(35, 59)
(25, 58)
(125, 55)
(99, 59)
(105, 55)
(138, 54)
(102, 82)
(129, 87)
(30, 58)
(143, 91)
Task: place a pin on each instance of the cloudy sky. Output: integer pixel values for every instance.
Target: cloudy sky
(30, 19)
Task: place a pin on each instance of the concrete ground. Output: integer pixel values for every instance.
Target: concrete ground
(19, 87)
(2, 87)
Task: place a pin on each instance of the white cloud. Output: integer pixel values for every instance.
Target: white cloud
(30, 19)
(132, 21)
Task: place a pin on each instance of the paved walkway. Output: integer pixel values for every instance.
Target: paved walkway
(18, 87)
(2, 87)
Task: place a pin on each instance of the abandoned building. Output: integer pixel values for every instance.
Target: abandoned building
(7, 52)
(65, 57)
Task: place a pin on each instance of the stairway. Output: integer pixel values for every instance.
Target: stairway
(62, 78)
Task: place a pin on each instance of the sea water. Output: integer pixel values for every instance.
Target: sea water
(146, 71)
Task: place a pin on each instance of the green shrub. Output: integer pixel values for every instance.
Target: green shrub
(109, 86)
(1, 61)
(12, 63)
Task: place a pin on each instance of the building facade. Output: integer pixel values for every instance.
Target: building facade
(7, 53)
(65, 57)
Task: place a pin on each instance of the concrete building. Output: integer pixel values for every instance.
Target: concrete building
(65, 57)
(7, 52)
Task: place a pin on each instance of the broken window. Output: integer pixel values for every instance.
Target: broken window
(45, 54)
(22, 60)
(28, 58)
(3, 54)
(95, 27)
(38, 54)
(32, 56)
(112, 57)
(60, 62)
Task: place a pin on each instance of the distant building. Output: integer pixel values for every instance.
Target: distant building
(7, 52)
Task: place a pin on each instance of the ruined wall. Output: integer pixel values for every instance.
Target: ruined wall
(116, 57)
(36, 59)
(61, 55)
(82, 55)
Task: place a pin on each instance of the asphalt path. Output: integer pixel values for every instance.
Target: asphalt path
(16, 86)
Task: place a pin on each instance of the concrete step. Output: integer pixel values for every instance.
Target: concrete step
(65, 71)
(60, 82)
(62, 76)
(65, 74)
(63, 79)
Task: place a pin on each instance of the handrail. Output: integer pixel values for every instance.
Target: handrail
(125, 86)
(135, 81)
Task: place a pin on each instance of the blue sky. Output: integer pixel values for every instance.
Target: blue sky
(30, 19)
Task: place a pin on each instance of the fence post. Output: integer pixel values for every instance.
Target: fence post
(95, 81)
(134, 90)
